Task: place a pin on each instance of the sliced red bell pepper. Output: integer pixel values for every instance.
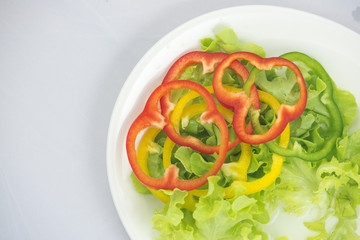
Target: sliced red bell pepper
(241, 102)
(209, 61)
(151, 116)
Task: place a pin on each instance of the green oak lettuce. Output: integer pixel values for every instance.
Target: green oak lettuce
(228, 41)
(240, 217)
(332, 186)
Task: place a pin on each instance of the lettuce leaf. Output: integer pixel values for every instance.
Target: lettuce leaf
(193, 162)
(348, 148)
(296, 186)
(155, 165)
(341, 212)
(139, 187)
(336, 174)
(171, 221)
(332, 186)
(227, 41)
(286, 90)
(214, 217)
(347, 103)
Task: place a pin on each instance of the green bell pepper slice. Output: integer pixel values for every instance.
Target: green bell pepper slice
(336, 123)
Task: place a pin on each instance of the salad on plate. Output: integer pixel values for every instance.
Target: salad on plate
(232, 136)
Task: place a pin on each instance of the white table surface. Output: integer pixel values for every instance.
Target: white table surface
(62, 65)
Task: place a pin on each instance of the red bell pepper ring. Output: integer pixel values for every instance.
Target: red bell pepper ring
(241, 102)
(151, 116)
(209, 61)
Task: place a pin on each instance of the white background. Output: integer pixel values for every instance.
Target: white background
(62, 65)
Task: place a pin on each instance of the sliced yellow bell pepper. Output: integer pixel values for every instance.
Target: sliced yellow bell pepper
(179, 114)
(145, 147)
(185, 113)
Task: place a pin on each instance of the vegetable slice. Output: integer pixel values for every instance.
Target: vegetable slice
(336, 121)
(241, 103)
(152, 117)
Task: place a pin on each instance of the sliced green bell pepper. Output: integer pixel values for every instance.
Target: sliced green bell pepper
(336, 124)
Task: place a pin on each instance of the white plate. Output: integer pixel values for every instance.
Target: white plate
(277, 29)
